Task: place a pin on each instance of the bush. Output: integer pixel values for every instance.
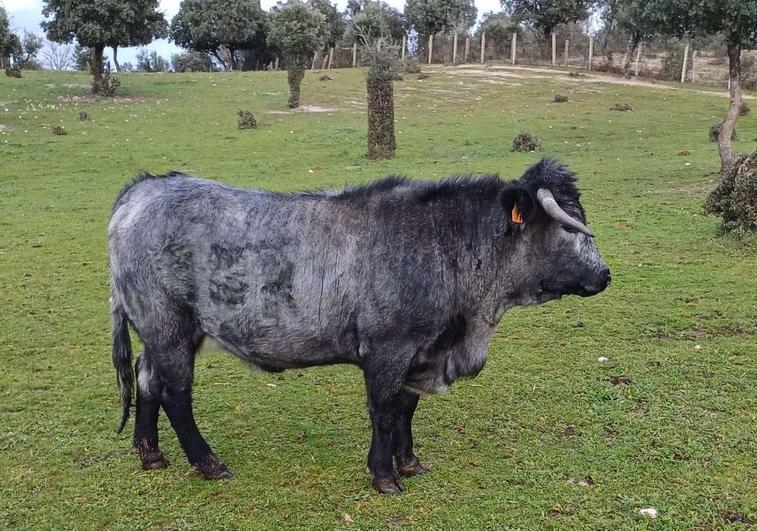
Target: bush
(13, 71)
(411, 66)
(192, 62)
(526, 142)
(84, 116)
(621, 107)
(560, 98)
(59, 130)
(246, 120)
(715, 132)
(735, 197)
(324, 77)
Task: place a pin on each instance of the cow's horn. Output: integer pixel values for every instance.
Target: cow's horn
(550, 206)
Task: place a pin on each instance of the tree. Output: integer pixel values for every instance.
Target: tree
(192, 62)
(150, 61)
(735, 20)
(297, 31)
(334, 20)
(375, 20)
(103, 23)
(9, 43)
(499, 29)
(222, 28)
(546, 16)
(627, 16)
(31, 44)
(58, 57)
(429, 17)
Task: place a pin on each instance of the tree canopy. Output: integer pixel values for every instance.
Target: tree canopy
(220, 27)
(297, 31)
(375, 19)
(546, 16)
(334, 20)
(104, 23)
(429, 17)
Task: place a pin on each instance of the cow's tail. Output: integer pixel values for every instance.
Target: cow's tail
(122, 357)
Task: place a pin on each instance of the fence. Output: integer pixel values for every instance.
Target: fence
(672, 60)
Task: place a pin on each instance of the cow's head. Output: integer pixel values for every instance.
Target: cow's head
(555, 251)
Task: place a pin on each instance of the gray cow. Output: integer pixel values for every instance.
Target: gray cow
(405, 279)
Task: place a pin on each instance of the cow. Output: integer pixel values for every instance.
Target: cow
(405, 279)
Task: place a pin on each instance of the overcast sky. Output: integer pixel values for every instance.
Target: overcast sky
(27, 14)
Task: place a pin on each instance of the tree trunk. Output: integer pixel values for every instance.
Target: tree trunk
(295, 75)
(97, 68)
(729, 124)
(381, 140)
(633, 44)
(115, 58)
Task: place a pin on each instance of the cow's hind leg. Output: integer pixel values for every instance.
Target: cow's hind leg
(149, 390)
(176, 368)
(407, 462)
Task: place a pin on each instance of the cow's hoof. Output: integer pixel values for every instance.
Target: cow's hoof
(388, 485)
(151, 460)
(211, 468)
(413, 468)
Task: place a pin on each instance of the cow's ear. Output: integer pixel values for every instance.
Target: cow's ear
(518, 204)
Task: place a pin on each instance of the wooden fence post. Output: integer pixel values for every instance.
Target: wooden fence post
(467, 49)
(404, 44)
(483, 46)
(430, 48)
(591, 51)
(565, 53)
(325, 61)
(637, 63)
(454, 49)
(354, 55)
(331, 56)
(685, 63)
(514, 48)
(554, 49)
(694, 66)
(315, 56)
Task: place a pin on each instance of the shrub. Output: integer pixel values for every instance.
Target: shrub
(411, 66)
(13, 71)
(560, 98)
(744, 109)
(84, 116)
(715, 132)
(59, 130)
(110, 83)
(246, 120)
(526, 142)
(325, 78)
(735, 197)
(622, 107)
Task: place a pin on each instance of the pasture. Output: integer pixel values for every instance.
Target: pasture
(545, 438)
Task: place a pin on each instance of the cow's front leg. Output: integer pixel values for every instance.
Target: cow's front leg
(408, 463)
(380, 463)
(385, 371)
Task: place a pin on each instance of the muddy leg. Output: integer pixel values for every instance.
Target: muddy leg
(178, 369)
(402, 436)
(145, 443)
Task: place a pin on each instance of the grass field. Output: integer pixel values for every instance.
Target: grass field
(667, 422)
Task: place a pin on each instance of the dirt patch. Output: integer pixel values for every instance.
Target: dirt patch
(527, 72)
(68, 85)
(309, 108)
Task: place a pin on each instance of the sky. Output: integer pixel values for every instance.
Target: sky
(27, 14)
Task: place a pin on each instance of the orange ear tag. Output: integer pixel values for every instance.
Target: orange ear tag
(517, 218)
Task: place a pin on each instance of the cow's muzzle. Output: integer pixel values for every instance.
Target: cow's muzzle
(597, 284)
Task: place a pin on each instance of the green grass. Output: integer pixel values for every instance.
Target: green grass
(679, 319)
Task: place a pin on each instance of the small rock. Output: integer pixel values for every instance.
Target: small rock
(651, 512)
(622, 107)
(324, 77)
(560, 98)
(684, 153)
(347, 518)
(602, 359)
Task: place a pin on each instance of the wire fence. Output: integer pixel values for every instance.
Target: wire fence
(671, 60)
